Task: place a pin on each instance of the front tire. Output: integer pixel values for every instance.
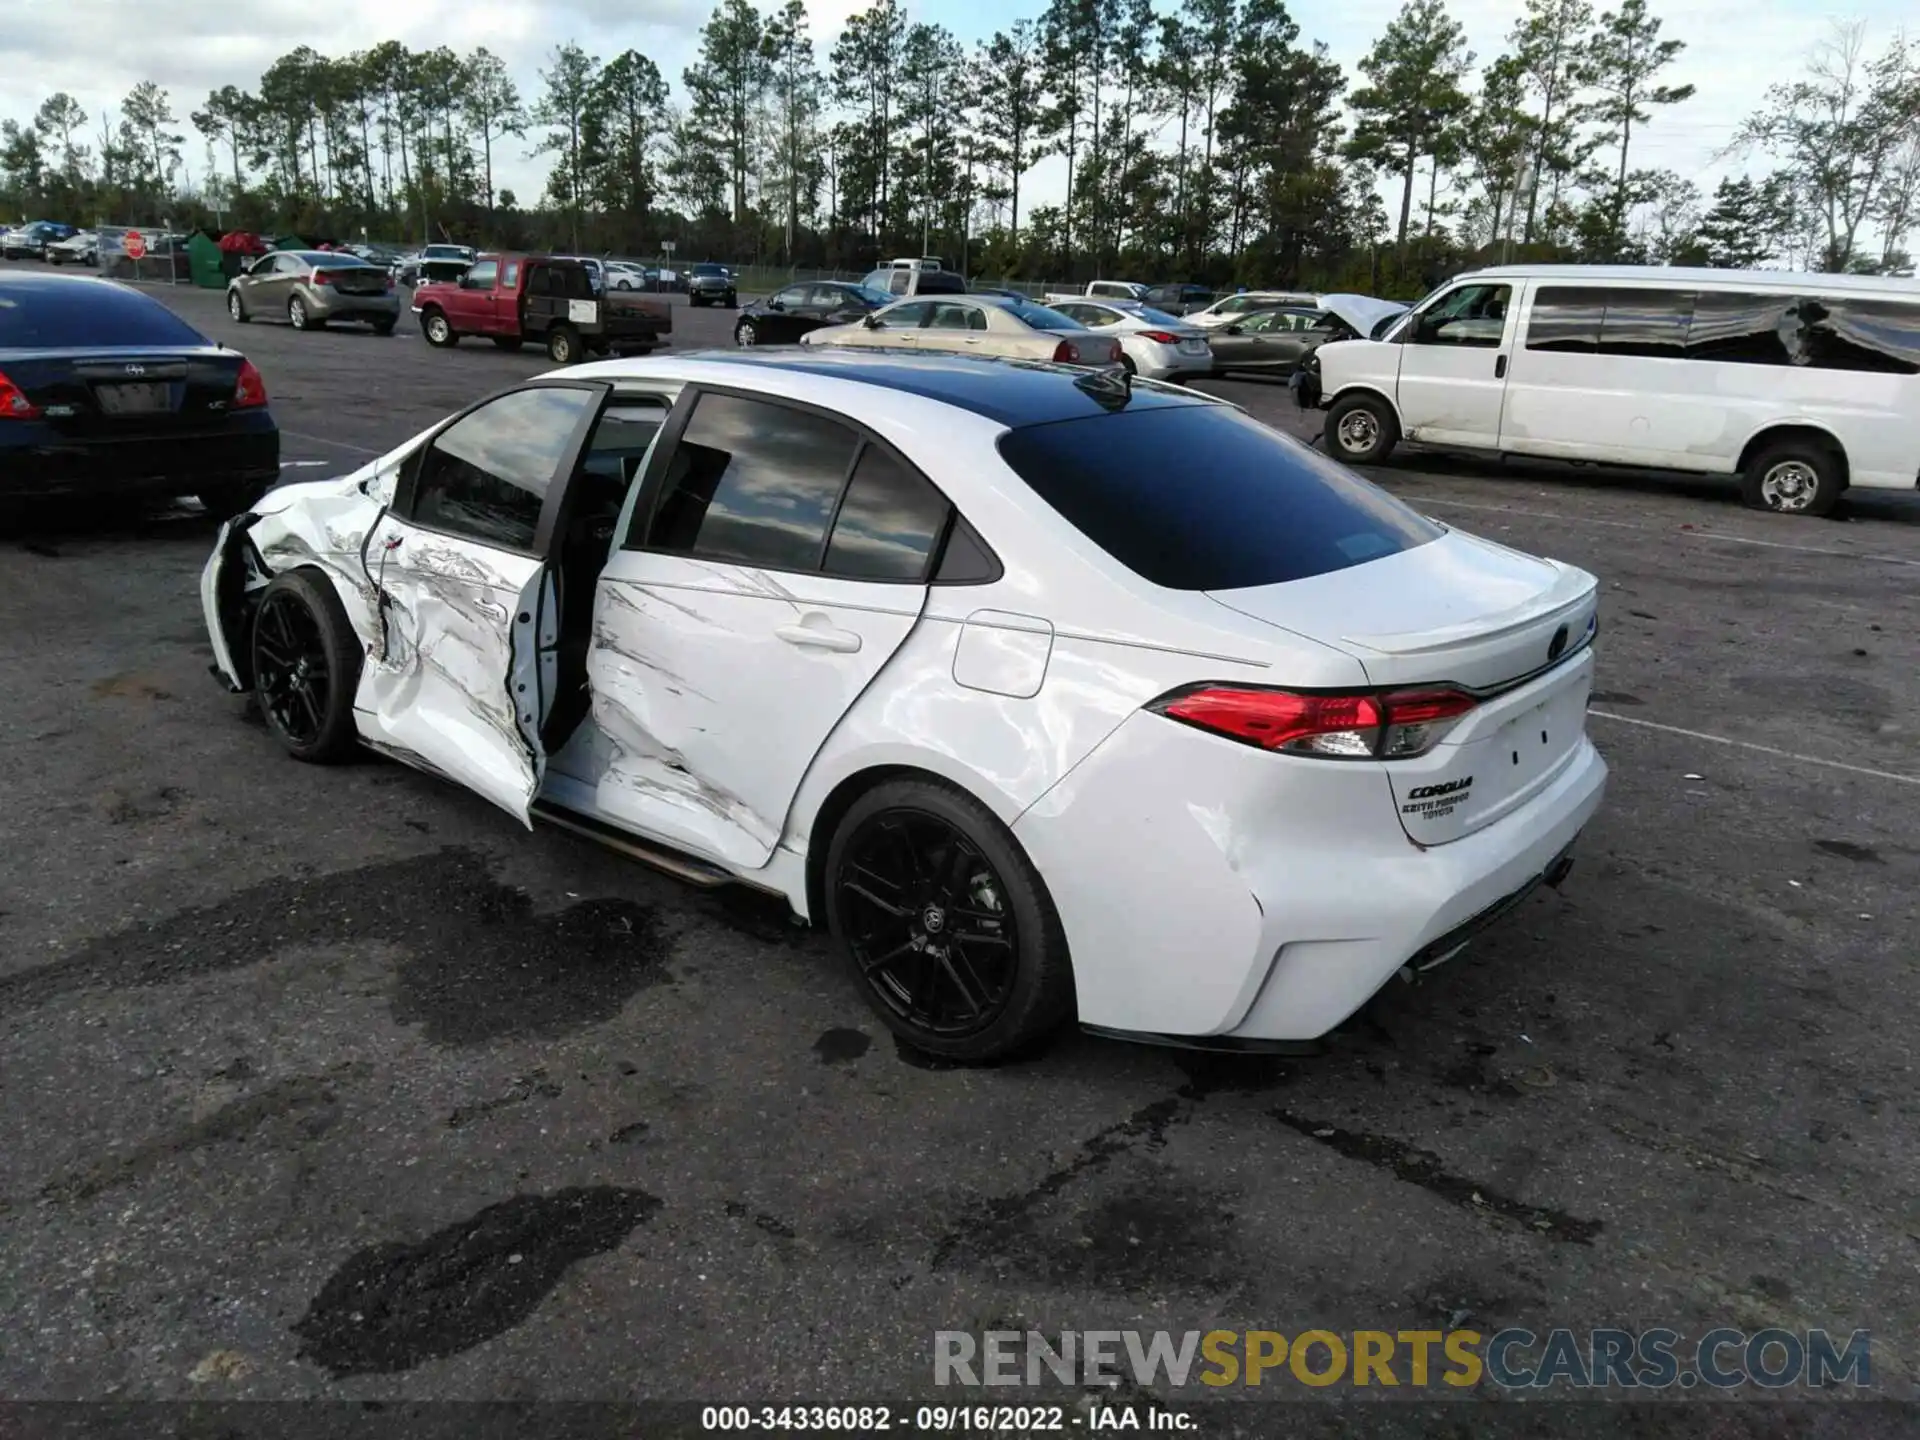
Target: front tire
(438, 331)
(745, 336)
(946, 924)
(1795, 477)
(1361, 430)
(237, 308)
(306, 667)
(733, 301)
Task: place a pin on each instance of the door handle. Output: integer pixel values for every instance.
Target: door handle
(841, 642)
(1500, 367)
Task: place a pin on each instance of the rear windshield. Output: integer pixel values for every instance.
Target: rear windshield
(338, 259)
(1200, 497)
(1041, 318)
(87, 312)
(936, 282)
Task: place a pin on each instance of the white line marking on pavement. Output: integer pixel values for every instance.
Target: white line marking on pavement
(323, 440)
(1760, 749)
(1419, 502)
(304, 464)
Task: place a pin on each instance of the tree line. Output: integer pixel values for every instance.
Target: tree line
(1211, 141)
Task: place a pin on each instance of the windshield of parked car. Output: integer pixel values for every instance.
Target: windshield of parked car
(445, 252)
(1202, 497)
(86, 313)
(709, 269)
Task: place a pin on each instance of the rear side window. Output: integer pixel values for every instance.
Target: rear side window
(1200, 497)
(1566, 320)
(486, 475)
(1648, 323)
(888, 524)
(87, 312)
(753, 484)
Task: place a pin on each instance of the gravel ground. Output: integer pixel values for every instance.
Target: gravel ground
(336, 1084)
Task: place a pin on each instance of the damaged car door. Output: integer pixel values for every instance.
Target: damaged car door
(463, 663)
(777, 559)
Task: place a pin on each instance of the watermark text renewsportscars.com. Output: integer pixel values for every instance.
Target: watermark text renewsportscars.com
(1513, 1358)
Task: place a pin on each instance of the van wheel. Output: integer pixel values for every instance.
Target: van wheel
(1362, 430)
(1794, 477)
(563, 345)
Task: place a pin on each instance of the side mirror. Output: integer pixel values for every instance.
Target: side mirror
(776, 304)
(871, 320)
(1235, 329)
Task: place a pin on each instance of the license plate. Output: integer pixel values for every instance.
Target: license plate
(1193, 346)
(144, 399)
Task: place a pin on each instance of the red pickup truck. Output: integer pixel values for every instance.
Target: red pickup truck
(512, 299)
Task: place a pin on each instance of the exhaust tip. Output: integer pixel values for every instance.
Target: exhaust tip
(1558, 872)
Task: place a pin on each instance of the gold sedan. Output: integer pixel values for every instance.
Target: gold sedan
(973, 325)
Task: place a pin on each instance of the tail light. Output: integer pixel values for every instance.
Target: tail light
(14, 404)
(249, 391)
(1160, 337)
(390, 282)
(1066, 353)
(1394, 725)
(323, 277)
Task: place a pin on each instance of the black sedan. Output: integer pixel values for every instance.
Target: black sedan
(784, 316)
(106, 394)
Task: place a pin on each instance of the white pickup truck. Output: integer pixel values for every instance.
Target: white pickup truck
(1101, 290)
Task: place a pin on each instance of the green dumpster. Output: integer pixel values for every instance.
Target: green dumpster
(204, 262)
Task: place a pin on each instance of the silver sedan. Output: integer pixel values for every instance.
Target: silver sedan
(973, 325)
(1153, 343)
(307, 288)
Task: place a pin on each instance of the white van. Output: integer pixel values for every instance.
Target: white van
(1802, 385)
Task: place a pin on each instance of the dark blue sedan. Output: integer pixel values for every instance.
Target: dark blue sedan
(106, 393)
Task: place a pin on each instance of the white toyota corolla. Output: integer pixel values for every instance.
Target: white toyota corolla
(1051, 695)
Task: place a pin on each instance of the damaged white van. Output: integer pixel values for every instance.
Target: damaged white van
(1801, 385)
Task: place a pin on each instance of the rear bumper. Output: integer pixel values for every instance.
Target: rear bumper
(43, 464)
(1218, 895)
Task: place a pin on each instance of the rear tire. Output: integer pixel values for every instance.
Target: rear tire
(1795, 477)
(384, 327)
(563, 345)
(298, 317)
(306, 667)
(961, 877)
(1361, 430)
(439, 332)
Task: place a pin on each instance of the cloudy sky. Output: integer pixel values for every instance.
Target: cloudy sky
(98, 51)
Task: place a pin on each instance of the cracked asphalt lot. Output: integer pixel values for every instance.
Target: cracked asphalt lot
(335, 1083)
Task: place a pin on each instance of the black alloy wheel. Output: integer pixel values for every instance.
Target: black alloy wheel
(306, 667)
(927, 923)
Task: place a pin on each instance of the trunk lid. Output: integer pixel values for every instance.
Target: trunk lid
(1466, 613)
(356, 279)
(126, 393)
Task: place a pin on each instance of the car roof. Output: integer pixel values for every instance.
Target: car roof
(1013, 393)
